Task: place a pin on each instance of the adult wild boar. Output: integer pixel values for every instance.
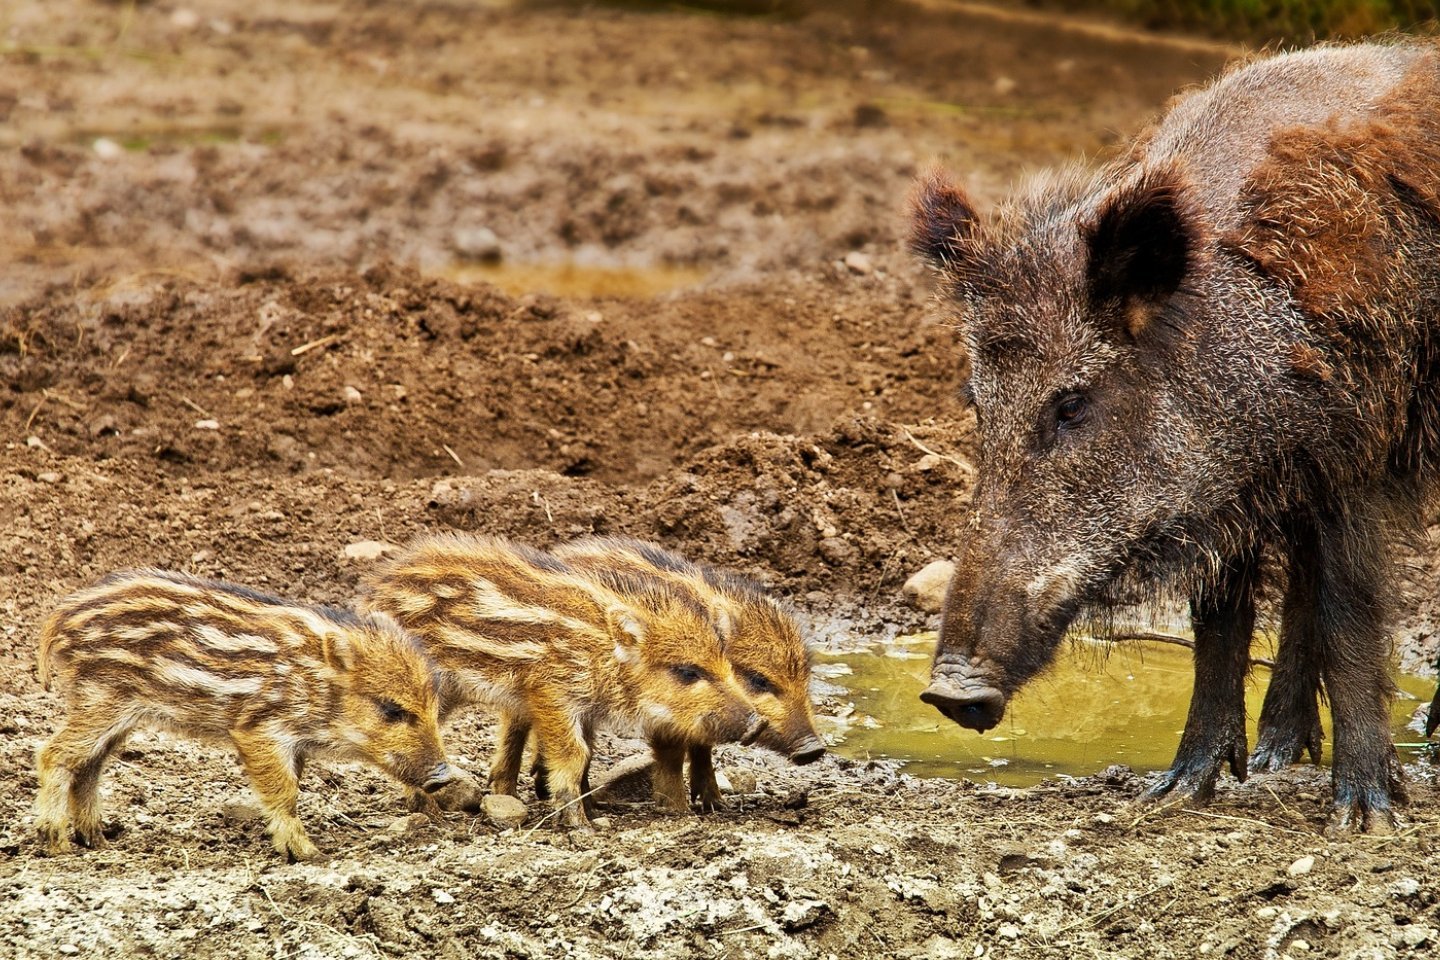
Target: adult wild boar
(1223, 346)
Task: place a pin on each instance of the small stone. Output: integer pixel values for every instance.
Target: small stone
(50, 476)
(352, 395)
(505, 812)
(441, 896)
(709, 342)
(1267, 913)
(69, 949)
(408, 824)
(207, 424)
(926, 587)
(367, 551)
(476, 243)
(202, 556)
(183, 19)
(1104, 818)
(800, 914)
(858, 263)
(1299, 946)
(1417, 935)
(929, 462)
(107, 149)
(1301, 867)
(602, 823)
(1005, 85)
(1405, 887)
(742, 781)
(835, 550)
(1009, 931)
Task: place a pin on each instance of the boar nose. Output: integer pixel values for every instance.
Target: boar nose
(977, 706)
(809, 750)
(439, 777)
(752, 732)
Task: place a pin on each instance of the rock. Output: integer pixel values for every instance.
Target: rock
(629, 780)
(50, 477)
(1405, 887)
(465, 793)
(441, 897)
(409, 824)
(800, 914)
(835, 550)
(1299, 946)
(207, 424)
(741, 781)
(367, 551)
(69, 949)
(184, 19)
(504, 811)
(1009, 931)
(926, 588)
(352, 395)
(107, 149)
(1005, 85)
(476, 243)
(1417, 935)
(858, 263)
(1301, 867)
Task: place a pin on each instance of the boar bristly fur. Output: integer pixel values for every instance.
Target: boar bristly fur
(213, 661)
(1222, 347)
(563, 653)
(762, 643)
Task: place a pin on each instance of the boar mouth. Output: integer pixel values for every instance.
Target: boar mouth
(973, 704)
(753, 732)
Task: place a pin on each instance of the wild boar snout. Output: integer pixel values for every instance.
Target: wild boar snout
(976, 705)
(807, 751)
(441, 776)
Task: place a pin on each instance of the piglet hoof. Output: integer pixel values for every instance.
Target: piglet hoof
(92, 837)
(710, 803)
(54, 840)
(297, 848)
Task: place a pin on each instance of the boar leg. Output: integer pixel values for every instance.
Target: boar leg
(704, 789)
(1355, 653)
(1223, 614)
(668, 780)
(272, 775)
(563, 742)
(70, 765)
(1290, 716)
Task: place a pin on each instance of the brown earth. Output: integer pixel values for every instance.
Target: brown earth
(230, 346)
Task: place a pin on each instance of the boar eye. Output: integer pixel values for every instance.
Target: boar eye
(393, 712)
(757, 682)
(687, 673)
(1071, 410)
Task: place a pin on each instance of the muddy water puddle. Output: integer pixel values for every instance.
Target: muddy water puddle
(575, 280)
(1097, 705)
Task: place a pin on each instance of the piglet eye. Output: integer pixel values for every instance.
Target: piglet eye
(758, 683)
(687, 673)
(392, 711)
(1071, 410)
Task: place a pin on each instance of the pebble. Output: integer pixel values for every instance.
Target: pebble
(1005, 85)
(505, 812)
(50, 476)
(69, 949)
(207, 424)
(1301, 867)
(352, 395)
(835, 550)
(476, 243)
(858, 263)
(1267, 913)
(408, 824)
(1405, 887)
(742, 781)
(441, 897)
(364, 551)
(1299, 946)
(107, 149)
(926, 587)
(799, 914)
(183, 19)
(1416, 935)
(1009, 931)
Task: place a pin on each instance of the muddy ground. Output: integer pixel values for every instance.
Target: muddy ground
(243, 328)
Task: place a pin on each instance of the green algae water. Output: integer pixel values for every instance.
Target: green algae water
(1098, 704)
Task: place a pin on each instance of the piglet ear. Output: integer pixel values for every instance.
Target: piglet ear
(625, 628)
(1142, 244)
(338, 652)
(942, 219)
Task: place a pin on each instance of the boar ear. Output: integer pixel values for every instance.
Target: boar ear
(1142, 244)
(941, 219)
(625, 628)
(339, 654)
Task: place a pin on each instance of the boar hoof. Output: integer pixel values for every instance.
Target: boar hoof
(1351, 818)
(92, 837)
(1279, 747)
(298, 849)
